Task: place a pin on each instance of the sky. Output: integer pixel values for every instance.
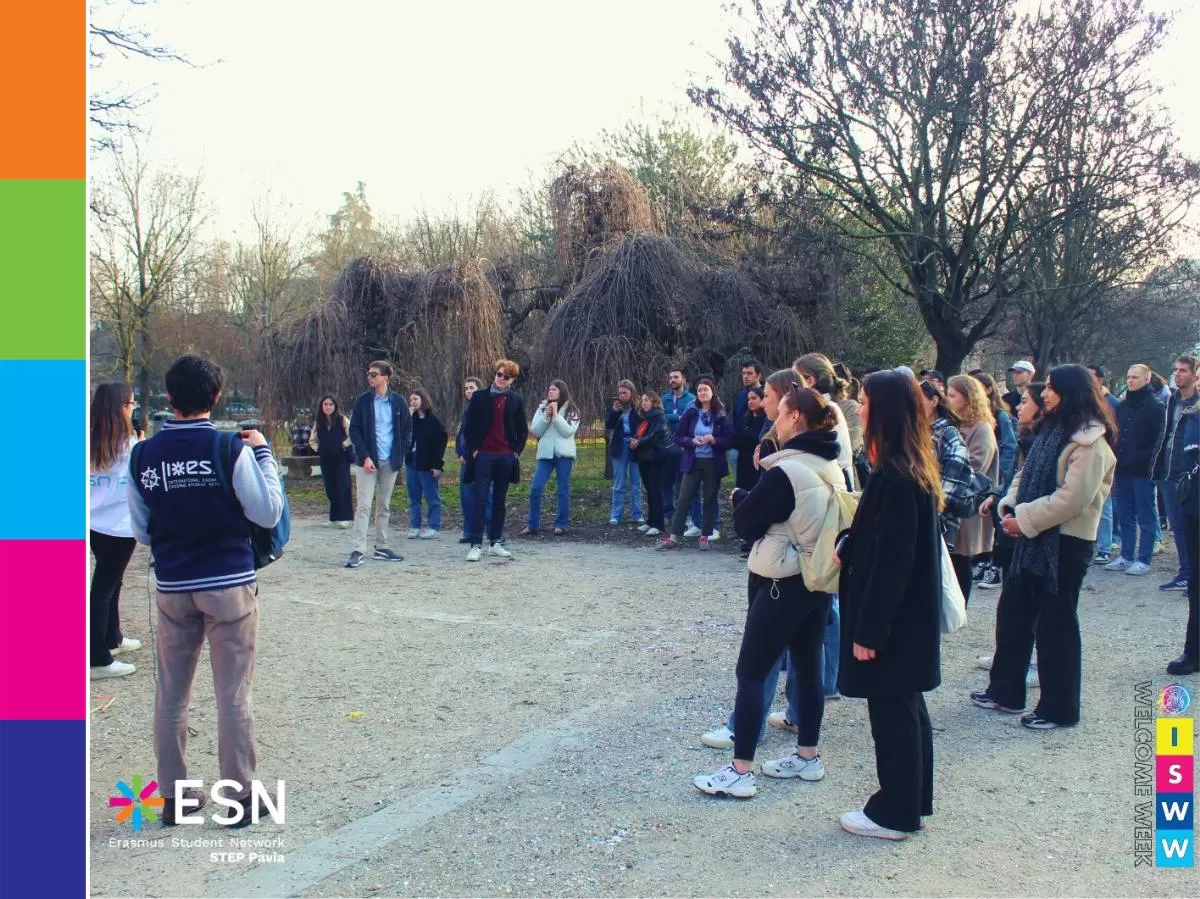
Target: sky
(432, 104)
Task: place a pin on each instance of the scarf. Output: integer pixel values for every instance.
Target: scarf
(1038, 556)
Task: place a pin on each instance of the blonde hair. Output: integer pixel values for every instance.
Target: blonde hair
(979, 409)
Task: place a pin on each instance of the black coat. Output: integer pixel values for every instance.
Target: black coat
(616, 434)
(1141, 424)
(746, 437)
(891, 591)
(362, 429)
(650, 445)
(430, 438)
(477, 421)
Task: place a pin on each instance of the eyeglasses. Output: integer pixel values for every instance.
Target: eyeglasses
(504, 376)
(372, 374)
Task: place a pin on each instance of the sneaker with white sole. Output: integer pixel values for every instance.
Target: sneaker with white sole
(613, 521)
(383, 554)
(414, 533)
(428, 534)
(640, 522)
(795, 765)
(692, 531)
(498, 550)
(1117, 564)
(653, 532)
(128, 644)
(1138, 568)
(984, 662)
(858, 823)
(721, 738)
(1101, 559)
(984, 700)
(727, 782)
(1159, 548)
(112, 669)
(780, 720)
(716, 535)
(990, 579)
(1034, 721)
(355, 559)
(643, 527)
(704, 543)
(474, 553)
(343, 525)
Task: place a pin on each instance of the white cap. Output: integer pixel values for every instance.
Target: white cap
(1022, 365)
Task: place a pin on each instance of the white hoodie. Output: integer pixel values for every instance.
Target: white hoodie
(110, 497)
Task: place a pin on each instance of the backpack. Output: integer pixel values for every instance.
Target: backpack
(820, 569)
(266, 543)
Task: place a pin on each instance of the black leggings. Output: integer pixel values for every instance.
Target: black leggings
(783, 615)
(1191, 533)
(652, 477)
(962, 570)
(112, 556)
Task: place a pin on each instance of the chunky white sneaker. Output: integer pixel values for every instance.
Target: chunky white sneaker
(1117, 564)
(693, 531)
(113, 669)
(613, 521)
(859, 823)
(653, 532)
(128, 644)
(780, 720)
(1138, 568)
(729, 782)
(414, 533)
(795, 766)
(716, 535)
(643, 527)
(428, 534)
(984, 662)
(498, 550)
(474, 553)
(343, 525)
(721, 738)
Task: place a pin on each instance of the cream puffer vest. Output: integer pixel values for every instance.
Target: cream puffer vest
(776, 554)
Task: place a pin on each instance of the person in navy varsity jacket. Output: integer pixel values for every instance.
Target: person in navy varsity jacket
(496, 432)
(180, 506)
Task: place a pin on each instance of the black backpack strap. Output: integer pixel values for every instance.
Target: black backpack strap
(223, 451)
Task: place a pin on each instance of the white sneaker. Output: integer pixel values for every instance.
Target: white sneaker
(721, 738)
(1138, 568)
(1159, 549)
(474, 553)
(613, 521)
(693, 531)
(729, 782)
(414, 533)
(716, 535)
(343, 525)
(1117, 564)
(1031, 677)
(643, 527)
(428, 534)
(498, 550)
(780, 720)
(113, 669)
(859, 823)
(653, 532)
(128, 644)
(795, 766)
(984, 662)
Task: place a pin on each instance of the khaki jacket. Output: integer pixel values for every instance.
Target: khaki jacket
(1085, 477)
(777, 554)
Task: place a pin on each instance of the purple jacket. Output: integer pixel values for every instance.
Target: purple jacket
(722, 435)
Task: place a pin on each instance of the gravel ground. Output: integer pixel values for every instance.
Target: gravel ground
(531, 728)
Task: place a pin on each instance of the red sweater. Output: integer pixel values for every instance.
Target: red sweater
(494, 442)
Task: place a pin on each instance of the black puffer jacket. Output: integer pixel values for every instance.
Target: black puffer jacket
(1141, 422)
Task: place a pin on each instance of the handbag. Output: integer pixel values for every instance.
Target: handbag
(954, 604)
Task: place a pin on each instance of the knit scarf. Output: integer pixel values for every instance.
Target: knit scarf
(1038, 556)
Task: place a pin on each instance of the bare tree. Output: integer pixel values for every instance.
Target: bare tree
(922, 123)
(142, 240)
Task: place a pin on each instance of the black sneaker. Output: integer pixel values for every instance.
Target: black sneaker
(244, 821)
(1034, 721)
(978, 571)
(386, 555)
(464, 539)
(991, 578)
(170, 812)
(1101, 559)
(984, 700)
(355, 559)
(1185, 664)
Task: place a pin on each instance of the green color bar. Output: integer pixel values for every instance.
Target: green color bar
(43, 269)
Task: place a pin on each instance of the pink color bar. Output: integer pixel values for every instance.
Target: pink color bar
(1173, 773)
(43, 630)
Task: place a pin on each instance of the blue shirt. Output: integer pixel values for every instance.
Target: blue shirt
(703, 429)
(674, 408)
(383, 425)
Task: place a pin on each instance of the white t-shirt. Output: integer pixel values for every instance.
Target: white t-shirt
(110, 497)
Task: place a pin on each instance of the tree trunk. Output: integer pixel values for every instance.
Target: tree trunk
(144, 382)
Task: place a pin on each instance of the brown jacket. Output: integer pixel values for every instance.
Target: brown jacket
(1085, 477)
(976, 534)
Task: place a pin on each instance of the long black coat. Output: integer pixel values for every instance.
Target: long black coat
(891, 591)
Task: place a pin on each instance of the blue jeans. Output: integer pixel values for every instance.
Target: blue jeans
(1175, 516)
(626, 469)
(1104, 536)
(493, 474)
(541, 476)
(830, 658)
(770, 686)
(422, 484)
(1139, 512)
(466, 499)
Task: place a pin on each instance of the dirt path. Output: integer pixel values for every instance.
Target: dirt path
(530, 728)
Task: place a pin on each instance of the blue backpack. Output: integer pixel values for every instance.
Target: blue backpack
(266, 543)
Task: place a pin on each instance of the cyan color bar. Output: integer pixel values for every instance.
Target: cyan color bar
(43, 462)
(1174, 849)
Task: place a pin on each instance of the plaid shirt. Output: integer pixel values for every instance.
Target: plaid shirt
(957, 479)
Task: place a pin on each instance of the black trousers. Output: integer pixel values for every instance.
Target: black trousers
(903, 738)
(493, 474)
(335, 473)
(783, 615)
(112, 556)
(1028, 613)
(1191, 641)
(962, 570)
(652, 478)
(703, 474)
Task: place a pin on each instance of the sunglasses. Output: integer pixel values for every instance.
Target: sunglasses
(504, 376)
(372, 374)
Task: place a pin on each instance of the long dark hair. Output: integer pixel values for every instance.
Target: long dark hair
(110, 429)
(1079, 402)
(897, 431)
(933, 392)
(564, 399)
(714, 407)
(1035, 394)
(325, 423)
